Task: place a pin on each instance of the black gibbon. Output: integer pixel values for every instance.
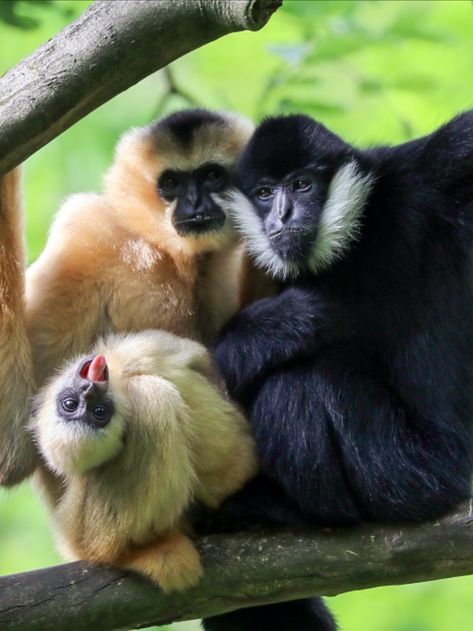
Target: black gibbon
(154, 250)
(130, 436)
(358, 376)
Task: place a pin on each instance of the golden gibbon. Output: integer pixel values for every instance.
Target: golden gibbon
(154, 250)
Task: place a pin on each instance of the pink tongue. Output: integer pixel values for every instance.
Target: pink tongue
(96, 371)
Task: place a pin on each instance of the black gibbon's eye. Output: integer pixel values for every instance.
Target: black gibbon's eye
(264, 192)
(70, 404)
(301, 184)
(100, 412)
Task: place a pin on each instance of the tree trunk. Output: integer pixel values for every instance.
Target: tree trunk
(112, 46)
(243, 569)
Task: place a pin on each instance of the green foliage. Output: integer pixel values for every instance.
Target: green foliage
(26, 14)
(371, 71)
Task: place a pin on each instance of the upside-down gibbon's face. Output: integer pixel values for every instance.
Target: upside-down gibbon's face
(180, 169)
(80, 424)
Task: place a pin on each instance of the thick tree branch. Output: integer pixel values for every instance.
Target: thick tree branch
(242, 570)
(108, 49)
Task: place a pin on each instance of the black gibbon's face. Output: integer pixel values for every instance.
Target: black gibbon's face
(290, 207)
(195, 211)
(86, 399)
(306, 191)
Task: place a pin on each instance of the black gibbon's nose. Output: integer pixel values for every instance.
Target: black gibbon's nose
(284, 207)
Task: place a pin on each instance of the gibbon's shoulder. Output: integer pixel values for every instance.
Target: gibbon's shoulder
(83, 239)
(153, 352)
(86, 214)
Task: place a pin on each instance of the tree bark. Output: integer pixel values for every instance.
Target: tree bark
(112, 46)
(242, 569)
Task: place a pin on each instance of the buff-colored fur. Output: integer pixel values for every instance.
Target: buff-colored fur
(114, 261)
(17, 455)
(118, 495)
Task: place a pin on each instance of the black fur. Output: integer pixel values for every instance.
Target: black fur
(184, 123)
(297, 615)
(358, 381)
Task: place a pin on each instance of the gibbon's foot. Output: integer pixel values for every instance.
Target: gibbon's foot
(172, 562)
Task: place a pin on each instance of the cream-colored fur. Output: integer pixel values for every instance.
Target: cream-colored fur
(114, 261)
(119, 494)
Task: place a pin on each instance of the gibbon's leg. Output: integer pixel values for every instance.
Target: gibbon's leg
(297, 615)
(343, 443)
(17, 453)
(172, 561)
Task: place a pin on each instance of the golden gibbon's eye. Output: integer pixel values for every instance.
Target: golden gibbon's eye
(100, 412)
(170, 182)
(264, 192)
(213, 176)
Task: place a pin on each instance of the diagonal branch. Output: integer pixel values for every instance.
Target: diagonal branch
(112, 46)
(241, 570)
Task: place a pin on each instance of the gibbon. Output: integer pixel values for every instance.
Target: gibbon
(155, 250)
(17, 452)
(361, 399)
(130, 436)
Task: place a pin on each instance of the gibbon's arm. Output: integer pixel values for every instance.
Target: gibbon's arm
(346, 446)
(65, 296)
(267, 334)
(224, 449)
(17, 454)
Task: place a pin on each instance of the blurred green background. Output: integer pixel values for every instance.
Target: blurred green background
(374, 72)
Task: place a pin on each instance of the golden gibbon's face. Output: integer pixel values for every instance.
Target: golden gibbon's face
(181, 167)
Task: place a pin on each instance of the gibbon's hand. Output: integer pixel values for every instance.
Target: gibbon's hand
(267, 334)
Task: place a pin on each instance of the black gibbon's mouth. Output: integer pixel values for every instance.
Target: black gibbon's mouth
(280, 234)
(292, 244)
(201, 224)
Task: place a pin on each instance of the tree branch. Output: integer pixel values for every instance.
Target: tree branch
(242, 570)
(112, 46)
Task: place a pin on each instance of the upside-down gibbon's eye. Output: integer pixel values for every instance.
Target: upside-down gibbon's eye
(70, 404)
(100, 412)
(264, 192)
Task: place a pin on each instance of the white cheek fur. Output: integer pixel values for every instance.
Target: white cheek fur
(339, 224)
(72, 447)
(244, 215)
(341, 215)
